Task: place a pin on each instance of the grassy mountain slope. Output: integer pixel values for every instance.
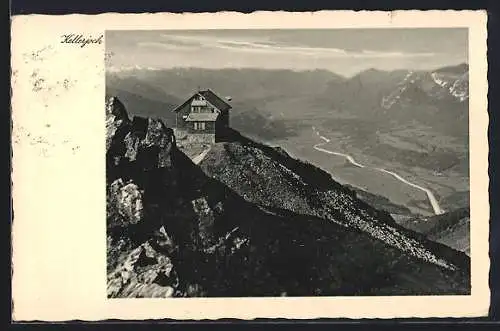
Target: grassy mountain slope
(271, 178)
(451, 229)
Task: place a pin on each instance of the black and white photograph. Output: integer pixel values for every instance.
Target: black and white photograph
(287, 162)
(251, 166)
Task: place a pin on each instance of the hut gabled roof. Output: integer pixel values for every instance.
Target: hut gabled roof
(211, 97)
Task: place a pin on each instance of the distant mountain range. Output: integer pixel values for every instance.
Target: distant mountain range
(436, 86)
(434, 98)
(440, 95)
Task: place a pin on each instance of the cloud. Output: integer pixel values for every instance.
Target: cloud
(124, 68)
(163, 46)
(343, 52)
(265, 46)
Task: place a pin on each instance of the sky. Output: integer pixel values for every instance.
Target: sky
(343, 51)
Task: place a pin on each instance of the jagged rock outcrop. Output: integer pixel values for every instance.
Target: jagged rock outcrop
(127, 201)
(146, 142)
(206, 220)
(152, 200)
(144, 273)
(255, 226)
(116, 119)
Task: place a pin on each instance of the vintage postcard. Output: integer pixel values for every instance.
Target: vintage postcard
(264, 165)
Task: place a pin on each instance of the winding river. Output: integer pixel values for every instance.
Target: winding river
(432, 199)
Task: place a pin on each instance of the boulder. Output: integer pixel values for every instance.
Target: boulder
(163, 240)
(144, 273)
(206, 219)
(127, 200)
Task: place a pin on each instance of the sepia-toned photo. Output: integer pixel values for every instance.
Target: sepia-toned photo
(283, 165)
(324, 162)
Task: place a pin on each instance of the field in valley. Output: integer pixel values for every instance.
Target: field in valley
(388, 152)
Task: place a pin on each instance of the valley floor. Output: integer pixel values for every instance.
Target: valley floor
(416, 197)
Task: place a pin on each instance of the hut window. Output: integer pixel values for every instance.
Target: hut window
(199, 125)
